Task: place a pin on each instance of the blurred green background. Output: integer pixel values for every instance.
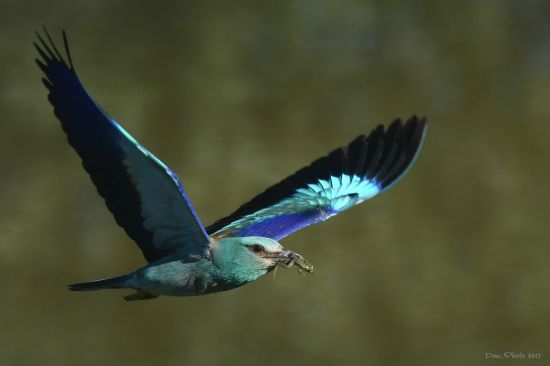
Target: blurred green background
(450, 264)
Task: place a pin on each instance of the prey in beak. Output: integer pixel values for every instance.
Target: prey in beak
(287, 258)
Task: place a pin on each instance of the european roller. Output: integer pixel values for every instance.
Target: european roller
(148, 201)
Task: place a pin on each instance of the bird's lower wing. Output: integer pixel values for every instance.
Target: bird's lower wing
(330, 185)
(145, 196)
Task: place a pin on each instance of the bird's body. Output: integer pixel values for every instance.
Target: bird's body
(148, 200)
(176, 277)
(231, 264)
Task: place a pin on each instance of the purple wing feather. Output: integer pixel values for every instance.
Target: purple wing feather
(330, 185)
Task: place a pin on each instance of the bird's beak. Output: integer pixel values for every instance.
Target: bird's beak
(288, 258)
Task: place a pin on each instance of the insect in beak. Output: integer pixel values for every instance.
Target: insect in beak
(287, 258)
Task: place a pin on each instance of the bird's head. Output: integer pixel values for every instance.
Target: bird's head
(251, 257)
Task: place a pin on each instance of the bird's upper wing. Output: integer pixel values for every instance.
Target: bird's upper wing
(342, 179)
(145, 196)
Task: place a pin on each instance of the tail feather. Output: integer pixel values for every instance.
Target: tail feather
(114, 282)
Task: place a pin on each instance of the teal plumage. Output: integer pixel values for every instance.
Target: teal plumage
(232, 263)
(148, 200)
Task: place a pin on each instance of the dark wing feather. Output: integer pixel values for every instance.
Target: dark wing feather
(144, 195)
(345, 177)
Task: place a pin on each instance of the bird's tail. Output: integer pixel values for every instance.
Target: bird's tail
(114, 282)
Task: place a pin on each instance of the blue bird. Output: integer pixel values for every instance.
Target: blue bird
(148, 200)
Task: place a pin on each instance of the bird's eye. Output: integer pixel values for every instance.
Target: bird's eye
(256, 248)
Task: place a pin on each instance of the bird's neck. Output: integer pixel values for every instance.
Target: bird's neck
(239, 276)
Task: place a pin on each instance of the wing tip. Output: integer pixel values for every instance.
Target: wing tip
(49, 52)
(410, 142)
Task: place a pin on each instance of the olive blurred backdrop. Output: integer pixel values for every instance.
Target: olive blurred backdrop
(452, 263)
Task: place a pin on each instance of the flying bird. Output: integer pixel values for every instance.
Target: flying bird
(147, 199)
